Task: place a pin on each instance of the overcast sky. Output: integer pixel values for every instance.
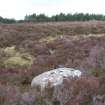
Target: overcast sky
(19, 8)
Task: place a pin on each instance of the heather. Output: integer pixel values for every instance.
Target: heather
(29, 49)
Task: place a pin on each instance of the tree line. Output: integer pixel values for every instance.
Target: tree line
(64, 17)
(56, 18)
(6, 20)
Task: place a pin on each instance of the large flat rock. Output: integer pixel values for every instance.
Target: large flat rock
(53, 85)
(54, 77)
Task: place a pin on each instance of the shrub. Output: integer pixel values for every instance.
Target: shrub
(74, 91)
(95, 63)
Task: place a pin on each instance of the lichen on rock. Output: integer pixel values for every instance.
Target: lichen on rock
(55, 77)
(52, 85)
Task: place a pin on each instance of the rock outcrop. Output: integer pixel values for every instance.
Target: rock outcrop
(54, 77)
(52, 85)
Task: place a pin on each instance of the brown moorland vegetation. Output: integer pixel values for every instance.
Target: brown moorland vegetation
(45, 46)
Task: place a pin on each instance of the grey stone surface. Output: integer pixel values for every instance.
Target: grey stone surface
(55, 77)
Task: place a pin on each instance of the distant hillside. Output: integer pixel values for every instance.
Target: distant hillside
(16, 34)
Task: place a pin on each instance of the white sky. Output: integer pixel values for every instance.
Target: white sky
(19, 8)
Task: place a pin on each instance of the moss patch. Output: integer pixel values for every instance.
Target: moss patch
(97, 72)
(12, 58)
(49, 39)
